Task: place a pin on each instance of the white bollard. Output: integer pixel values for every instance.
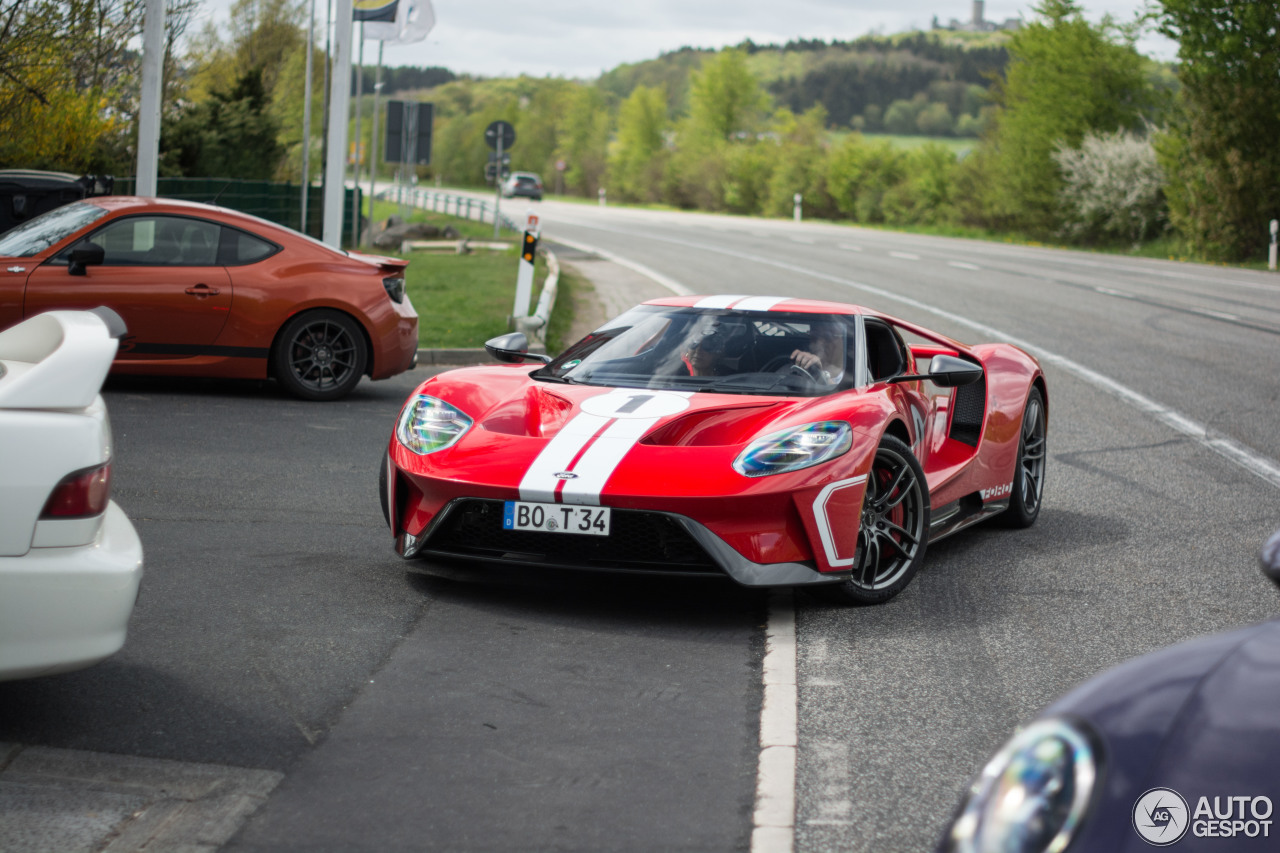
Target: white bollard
(1271, 253)
(601, 194)
(798, 199)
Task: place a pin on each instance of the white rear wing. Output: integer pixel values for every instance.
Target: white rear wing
(57, 360)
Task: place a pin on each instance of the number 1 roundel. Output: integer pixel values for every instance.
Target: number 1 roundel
(635, 403)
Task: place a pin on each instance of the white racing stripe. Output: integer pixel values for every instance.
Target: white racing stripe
(577, 462)
(719, 301)
(602, 458)
(760, 303)
(540, 482)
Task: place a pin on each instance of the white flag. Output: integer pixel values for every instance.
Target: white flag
(421, 18)
(413, 20)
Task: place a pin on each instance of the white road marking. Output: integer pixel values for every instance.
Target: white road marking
(906, 256)
(774, 819)
(648, 272)
(1107, 291)
(963, 265)
(850, 247)
(808, 241)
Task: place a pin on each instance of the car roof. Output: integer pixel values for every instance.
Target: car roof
(760, 303)
(125, 204)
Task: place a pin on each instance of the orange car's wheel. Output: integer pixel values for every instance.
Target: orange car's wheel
(319, 355)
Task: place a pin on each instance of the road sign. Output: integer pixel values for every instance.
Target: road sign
(408, 137)
(500, 133)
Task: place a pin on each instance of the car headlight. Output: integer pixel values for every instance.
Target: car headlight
(794, 448)
(428, 424)
(1032, 796)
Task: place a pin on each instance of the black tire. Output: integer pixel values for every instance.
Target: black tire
(319, 355)
(894, 529)
(1028, 472)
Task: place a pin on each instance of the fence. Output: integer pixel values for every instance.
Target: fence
(276, 202)
(461, 206)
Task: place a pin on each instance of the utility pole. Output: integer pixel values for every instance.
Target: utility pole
(152, 94)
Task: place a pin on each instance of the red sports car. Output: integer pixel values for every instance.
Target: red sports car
(207, 291)
(780, 442)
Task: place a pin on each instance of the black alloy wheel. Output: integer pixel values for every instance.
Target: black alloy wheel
(320, 355)
(894, 528)
(1028, 474)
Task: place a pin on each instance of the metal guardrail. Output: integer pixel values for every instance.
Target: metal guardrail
(461, 206)
(468, 207)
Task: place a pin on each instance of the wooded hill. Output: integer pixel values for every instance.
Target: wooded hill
(855, 79)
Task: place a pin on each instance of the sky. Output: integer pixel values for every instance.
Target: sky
(582, 38)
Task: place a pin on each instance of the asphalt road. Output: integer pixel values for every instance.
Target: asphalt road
(507, 712)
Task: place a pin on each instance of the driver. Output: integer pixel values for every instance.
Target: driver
(824, 357)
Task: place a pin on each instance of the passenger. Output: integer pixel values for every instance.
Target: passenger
(703, 357)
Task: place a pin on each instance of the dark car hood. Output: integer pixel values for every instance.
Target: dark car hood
(1202, 718)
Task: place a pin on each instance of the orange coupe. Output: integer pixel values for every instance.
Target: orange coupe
(207, 291)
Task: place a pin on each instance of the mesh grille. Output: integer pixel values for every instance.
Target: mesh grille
(966, 422)
(637, 541)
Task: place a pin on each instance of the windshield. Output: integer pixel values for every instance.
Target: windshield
(724, 351)
(48, 229)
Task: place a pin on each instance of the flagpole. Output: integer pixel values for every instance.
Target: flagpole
(355, 224)
(306, 118)
(339, 109)
(373, 134)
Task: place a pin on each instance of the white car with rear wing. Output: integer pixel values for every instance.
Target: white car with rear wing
(70, 560)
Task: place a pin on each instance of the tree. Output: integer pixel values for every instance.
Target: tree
(68, 81)
(637, 156)
(1065, 78)
(230, 135)
(725, 98)
(263, 35)
(1220, 152)
(859, 173)
(800, 165)
(583, 137)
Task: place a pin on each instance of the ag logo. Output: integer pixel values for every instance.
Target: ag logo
(1160, 816)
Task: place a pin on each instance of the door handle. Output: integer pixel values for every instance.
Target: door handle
(202, 290)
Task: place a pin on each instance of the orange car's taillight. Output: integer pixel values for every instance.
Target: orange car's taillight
(395, 287)
(80, 495)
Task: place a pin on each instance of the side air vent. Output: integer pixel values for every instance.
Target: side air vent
(971, 403)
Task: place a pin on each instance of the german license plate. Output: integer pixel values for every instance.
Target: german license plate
(556, 518)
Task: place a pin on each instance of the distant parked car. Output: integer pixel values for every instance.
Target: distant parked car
(207, 291)
(70, 560)
(523, 184)
(27, 193)
(1181, 742)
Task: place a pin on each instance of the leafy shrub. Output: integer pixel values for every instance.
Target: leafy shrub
(1112, 187)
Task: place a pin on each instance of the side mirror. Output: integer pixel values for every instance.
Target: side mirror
(513, 348)
(85, 255)
(947, 371)
(1269, 558)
